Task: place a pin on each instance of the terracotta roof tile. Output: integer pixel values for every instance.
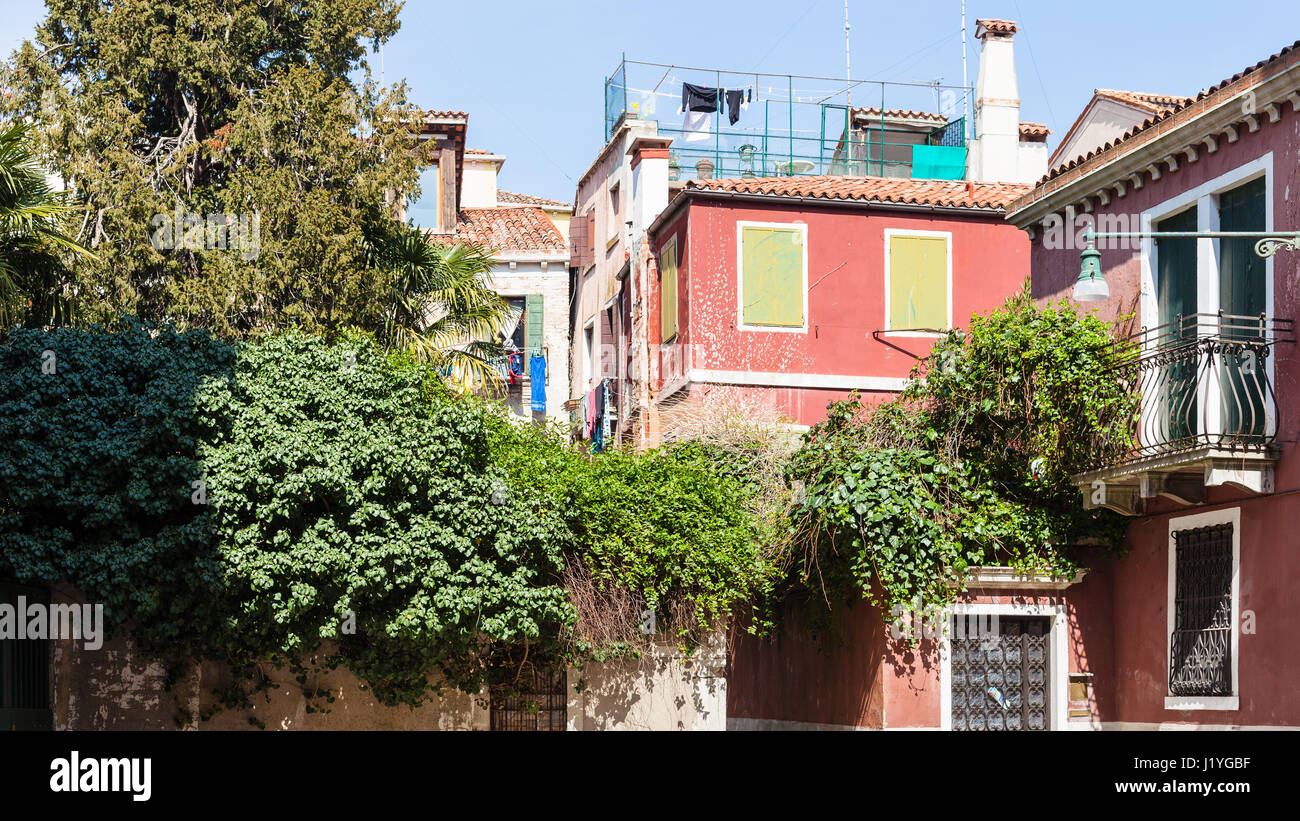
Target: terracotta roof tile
(1034, 132)
(901, 114)
(993, 26)
(506, 230)
(511, 198)
(944, 193)
(446, 115)
(1150, 102)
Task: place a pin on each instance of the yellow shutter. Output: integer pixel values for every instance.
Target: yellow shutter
(668, 291)
(772, 276)
(918, 282)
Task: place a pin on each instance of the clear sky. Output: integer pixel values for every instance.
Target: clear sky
(530, 73)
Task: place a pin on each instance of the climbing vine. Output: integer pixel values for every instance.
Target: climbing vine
(969, 466)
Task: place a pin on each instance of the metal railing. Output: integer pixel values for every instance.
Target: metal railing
(1200, 380)
(792, 126)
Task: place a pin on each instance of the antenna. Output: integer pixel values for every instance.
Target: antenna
(965, 84)
(848, 84)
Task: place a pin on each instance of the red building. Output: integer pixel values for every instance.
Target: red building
(1194, 626)
(786, 293)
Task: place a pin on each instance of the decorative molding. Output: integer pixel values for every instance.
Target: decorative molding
(1154, 170)
(1172, 162)
(1294, 97)
(1087, 205)
(1211, 144)
(1121, 190)
(1231, 133)
(1190, 153)
(798, 380)
(1011, 579)
(1274, 112)
(1252, 123)
(1103, 196)
(1136, 181)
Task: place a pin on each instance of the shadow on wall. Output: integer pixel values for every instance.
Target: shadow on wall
(666, 689)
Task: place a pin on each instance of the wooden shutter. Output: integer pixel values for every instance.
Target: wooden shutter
(534, 316)
(578, 245)
(918, 282)
(1241, 270)
(772, 282)
(668, 291)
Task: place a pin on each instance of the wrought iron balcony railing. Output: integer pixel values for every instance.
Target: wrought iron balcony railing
(1201, 381)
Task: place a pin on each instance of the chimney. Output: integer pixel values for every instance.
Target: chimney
(994, 155)
(649, 180)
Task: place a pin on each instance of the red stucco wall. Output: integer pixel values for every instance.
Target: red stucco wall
(846, 299)
(1270, 547)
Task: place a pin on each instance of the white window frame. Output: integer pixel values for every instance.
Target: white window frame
(677, 293)
(1206, 199)
(890, 233)
(1058, 659)
(588, 345)
(1230, 516)
(741, 225)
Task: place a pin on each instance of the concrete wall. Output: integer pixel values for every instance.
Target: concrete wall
(117, 687)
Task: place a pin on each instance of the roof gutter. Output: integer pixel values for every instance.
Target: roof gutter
(816, 202)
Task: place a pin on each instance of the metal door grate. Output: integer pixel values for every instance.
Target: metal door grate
(1000, 679)
(536, 701)
(24, 671)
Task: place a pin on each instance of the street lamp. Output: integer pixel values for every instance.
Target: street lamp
(1091, 285)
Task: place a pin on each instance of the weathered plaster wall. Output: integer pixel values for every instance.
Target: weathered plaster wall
(119, 688)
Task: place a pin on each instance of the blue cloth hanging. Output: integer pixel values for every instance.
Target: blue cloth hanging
(537, 375)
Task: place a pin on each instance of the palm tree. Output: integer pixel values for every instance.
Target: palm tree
(436, 303)
(31, 216)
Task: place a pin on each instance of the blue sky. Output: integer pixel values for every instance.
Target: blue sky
(530, 73)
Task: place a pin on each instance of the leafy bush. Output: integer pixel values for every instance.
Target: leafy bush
(970, 465)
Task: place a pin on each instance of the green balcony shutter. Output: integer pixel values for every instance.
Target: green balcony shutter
(918, 282)
(534, 316)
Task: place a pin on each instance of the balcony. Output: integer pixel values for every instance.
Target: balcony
(1203, 413)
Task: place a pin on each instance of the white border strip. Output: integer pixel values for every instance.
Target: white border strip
(1230, 516)
(890, 384)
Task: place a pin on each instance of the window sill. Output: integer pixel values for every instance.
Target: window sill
(1202, 702)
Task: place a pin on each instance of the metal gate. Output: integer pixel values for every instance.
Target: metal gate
(1000, 676)
(537, 700)
(24, 669)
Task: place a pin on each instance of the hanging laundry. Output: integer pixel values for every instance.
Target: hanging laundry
(515, 366)
(537, 375)
(599, 434)
(591, 414)
(697, 126)
(700, 98)
(735, 99)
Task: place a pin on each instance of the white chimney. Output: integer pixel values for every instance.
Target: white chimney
(994, 154)
(649, 181)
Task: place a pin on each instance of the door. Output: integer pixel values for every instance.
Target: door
(24, 670)
(1242, 297)
(1001, 676)
(536, 700)
(1176, 291)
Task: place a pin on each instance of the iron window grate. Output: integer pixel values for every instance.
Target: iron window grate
(1200, 647)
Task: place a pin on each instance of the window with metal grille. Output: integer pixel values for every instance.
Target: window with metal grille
(1200, 648)
(536, 700)
(24, 670)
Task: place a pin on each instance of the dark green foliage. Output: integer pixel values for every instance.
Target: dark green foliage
(97, 461)
(342, 481)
